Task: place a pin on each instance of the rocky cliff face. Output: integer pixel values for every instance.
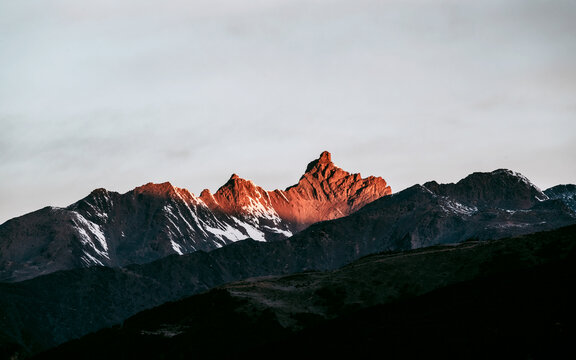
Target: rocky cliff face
(326, 192)
(156, 220)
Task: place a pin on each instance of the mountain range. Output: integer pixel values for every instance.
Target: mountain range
(159, 243)
(156, 220)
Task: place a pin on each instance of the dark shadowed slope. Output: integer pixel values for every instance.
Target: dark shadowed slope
(511, 298)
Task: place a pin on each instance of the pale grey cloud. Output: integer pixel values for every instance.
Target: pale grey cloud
(118, 93)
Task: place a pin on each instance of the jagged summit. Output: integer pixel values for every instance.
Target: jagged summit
(326, 192)
(166, 190)
(236, 181)
(324, 161)
(155, 188)
(325, 157)
(238, 197)
(99, 192)
(321, 169)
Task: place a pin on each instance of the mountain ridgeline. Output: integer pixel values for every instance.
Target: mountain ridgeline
(48, 310)
(156, 220)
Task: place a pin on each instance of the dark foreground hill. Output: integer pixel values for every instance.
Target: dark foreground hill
(510, 298)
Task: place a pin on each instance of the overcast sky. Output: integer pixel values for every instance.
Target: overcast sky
(115, 94)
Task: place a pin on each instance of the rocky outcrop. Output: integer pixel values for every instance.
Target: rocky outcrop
(326, 192)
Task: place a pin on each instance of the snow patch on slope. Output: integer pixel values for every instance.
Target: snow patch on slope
(451, 206)
(96, 242)
(225, 231)
(286, 233)
(258, 210)
(176, 247)
(252, 231)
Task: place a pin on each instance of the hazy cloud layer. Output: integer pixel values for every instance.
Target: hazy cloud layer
(118, 93)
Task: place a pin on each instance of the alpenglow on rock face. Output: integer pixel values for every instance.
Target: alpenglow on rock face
(156, 220)
(324, 192)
